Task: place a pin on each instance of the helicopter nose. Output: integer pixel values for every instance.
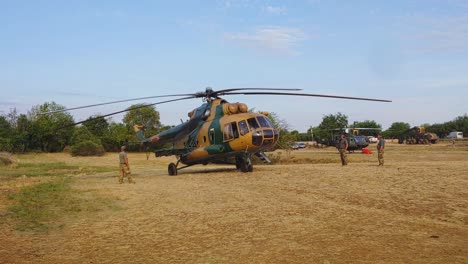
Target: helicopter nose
(265, 137)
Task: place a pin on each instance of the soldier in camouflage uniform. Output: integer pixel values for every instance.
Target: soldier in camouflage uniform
(380, 149)
(124, 167)
(342, 148)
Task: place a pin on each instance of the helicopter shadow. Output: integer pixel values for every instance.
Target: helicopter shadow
(207, 171)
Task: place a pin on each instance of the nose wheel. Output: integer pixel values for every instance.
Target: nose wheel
(172, 169)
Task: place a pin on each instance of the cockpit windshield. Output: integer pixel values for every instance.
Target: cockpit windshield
(253, 123)
(264, 122)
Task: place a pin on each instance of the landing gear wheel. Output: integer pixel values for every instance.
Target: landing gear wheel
(245, 165)
(172, 169)
(239, 162)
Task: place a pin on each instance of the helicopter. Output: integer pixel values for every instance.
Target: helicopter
(355, 141)
(218, 131)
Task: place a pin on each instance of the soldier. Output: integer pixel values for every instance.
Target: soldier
(342, 148)
(380, 149)
(124, 167)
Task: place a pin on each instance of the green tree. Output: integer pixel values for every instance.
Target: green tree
(367, 124)
(116, 136)
(17, 137)
(50, 132)
(396, 129)
(147, 116)
(295, 135)
(304, 137)
(81, 134)
(22, 137)
(6, 135)
(442, 130)
(329, 124)
(97, 125)
(461, 124)
(85, 143)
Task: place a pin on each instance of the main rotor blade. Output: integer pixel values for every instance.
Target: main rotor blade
(115, 102)
(126, 110)
(311, 95)
(364, 128)
(224, 91)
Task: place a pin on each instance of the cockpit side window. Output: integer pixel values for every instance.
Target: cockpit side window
(253, 123)
(243, 127)
(227, 132)
(263, 122)
(235, 131)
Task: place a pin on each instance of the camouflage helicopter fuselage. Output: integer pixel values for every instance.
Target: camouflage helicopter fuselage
(216, 132)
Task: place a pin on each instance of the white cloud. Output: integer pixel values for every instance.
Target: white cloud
(281, 39)
(274, 10)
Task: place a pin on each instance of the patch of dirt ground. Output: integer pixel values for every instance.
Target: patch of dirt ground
(412, 210)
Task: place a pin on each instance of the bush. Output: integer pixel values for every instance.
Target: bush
(5, 144)
(87, 148)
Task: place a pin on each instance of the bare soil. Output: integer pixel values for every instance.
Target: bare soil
(412, 210)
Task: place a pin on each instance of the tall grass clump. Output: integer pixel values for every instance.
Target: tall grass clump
(6, 158)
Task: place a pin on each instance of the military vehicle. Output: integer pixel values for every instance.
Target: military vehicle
(417, 135)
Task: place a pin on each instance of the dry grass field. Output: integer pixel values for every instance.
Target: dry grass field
(308, 209)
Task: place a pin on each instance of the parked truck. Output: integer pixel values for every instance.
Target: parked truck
(417, 135)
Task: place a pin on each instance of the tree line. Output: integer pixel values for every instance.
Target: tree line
(36, 131)
(336, 123)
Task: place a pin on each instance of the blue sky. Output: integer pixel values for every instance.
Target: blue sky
(80, 52)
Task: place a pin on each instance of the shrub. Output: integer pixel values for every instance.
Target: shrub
(87, 148)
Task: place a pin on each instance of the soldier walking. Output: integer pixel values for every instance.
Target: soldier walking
(124, 166)
(342, 148)
(380, 149)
